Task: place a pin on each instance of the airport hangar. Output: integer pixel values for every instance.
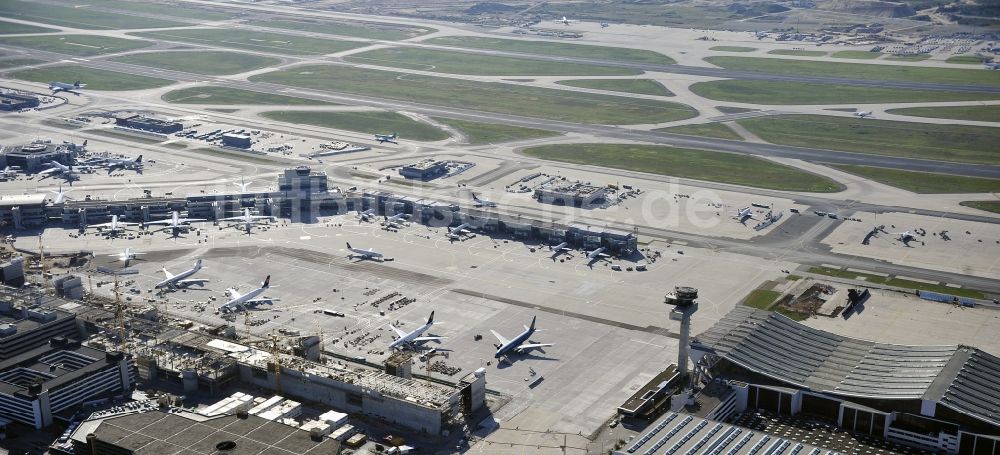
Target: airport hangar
(940, 398)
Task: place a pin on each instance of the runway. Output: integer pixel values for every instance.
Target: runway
(605, 131)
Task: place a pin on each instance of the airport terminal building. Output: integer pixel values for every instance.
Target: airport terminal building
(938, 398)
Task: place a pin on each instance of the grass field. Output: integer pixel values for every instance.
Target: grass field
(370, 122)
(175, 9)
(486, 96)
(14, 28)
(80, 45)
(638, 86)
(924, 182)
(494, 133)
(201, 62)
(965, 60)
(908, 58)
(989, 206)
(863, 55)
(732, 49)
(687, 163)
(481, 65)
(797, 52)
(978, 113)
(370, 30)
(619, 54)
(858, 70)
(780, 92)
(96, 79)
(761, 298)
(84, 18)
(717, 130)
(897, 282)
(256, 41)
(18, 62)
(224, 95)
(969, 144)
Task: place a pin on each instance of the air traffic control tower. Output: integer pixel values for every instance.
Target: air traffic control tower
(683, 300)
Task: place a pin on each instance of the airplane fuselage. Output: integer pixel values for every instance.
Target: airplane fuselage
(513, 344)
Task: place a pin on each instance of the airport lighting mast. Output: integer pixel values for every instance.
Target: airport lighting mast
(683, 300)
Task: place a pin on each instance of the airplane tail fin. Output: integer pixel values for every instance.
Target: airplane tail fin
(430, 320)
(76, 84)
(138, 160)
(532, 327)
(267, 282)
(349, 245)
(197, 264)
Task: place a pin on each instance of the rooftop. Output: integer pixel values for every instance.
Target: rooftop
(54, 365)
(158, 432)
(775, 346)
(22, 199)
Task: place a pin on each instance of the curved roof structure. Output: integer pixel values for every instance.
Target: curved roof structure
(775, 346)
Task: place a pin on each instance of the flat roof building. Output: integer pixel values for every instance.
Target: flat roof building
(574, 194)
(160, 432)
(153, 125)
(37, 384)
(36, 156)
(26, 325)
(424, 170)
(241, 141)
(17, 101)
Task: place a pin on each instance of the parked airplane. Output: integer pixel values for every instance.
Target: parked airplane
(126, 255)
(67, 172)
(566, 21)
(57, 87)
(115, 164)
(863, 114)
(414, 339)
(482, 202)
(991, 66)
(905, 237)
(60, 195)
(180, 280)
(175, 222)
(114, 226)
(9, 172)
(366, 215)
(241, 301)
(248, 220)
(457, 232)
(395, 220)
(364, 254)
(605, 25)
(744, 214)
(559, 249)
(383, 138)
(597, 255)
(243, 185)
(519, 344)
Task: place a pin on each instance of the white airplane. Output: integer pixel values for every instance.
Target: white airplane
(64, 171)
(9, 172)
(905, 237)
(396, 220)
(414, 338)
(364, 254)
(565, 21)
(115, 164)
(744, 214)
(126, 255)
(482, 202)
(60, 195)
(597, 255)
(57, 87)
(863, 114)
(366, 215)
(457, 232)
(175, 222)
(519, 344)
(248, 220)
(243, 185)
(383, 138)
(241, 301)
(174, 281)
(559, 249)
(114, 226)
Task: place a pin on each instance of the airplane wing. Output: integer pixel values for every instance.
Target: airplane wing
(168, 274)
(400, 333)
(49, 170)
(233, 293)
(167, 221)
(232, 218)
(193, 281)
(500, 337)
(102, 225)
(190, 220)
(261, 300)
(527, 346)
(419, 339)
